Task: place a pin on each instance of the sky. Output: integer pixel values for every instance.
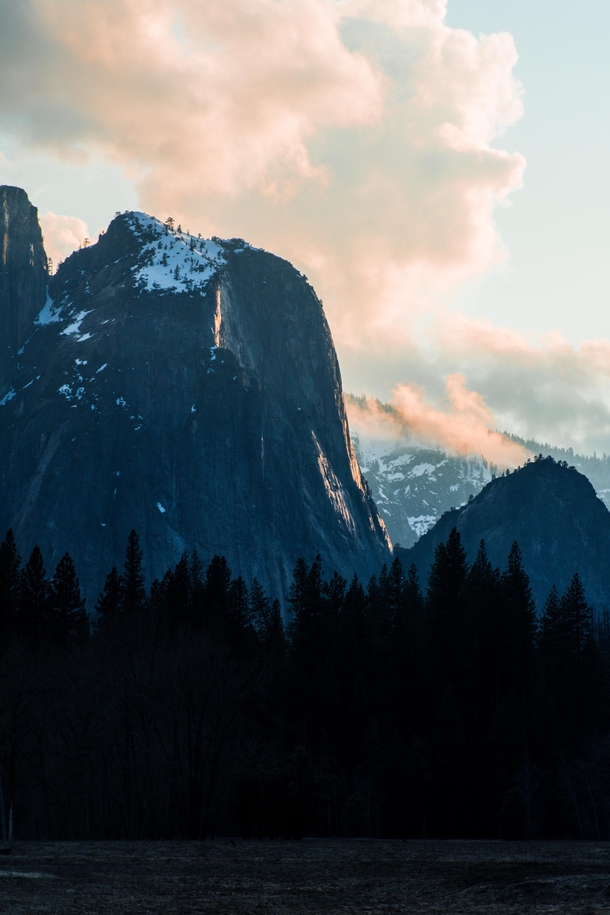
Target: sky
(437, 168)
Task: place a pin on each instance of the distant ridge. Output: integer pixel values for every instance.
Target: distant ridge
(553, 513)
(413, 484)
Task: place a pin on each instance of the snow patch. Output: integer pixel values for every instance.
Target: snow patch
(160, 507)
(420, 469)
(175, 261)
(7, 397)
(48, 314)
(422, 523)
(74, 328)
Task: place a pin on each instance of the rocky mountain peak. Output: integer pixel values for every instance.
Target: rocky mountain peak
(23, 274)
(187, 388)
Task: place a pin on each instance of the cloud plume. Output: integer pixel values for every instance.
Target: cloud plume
(463, 425)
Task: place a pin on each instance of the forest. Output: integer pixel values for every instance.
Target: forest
(387, 708)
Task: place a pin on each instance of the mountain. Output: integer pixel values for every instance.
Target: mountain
(184, 387)
(414, 484)
(553, 513)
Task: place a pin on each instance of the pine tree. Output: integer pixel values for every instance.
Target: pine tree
(518, 629)
(297, 591)
(266, 618)
(576, 618)
(260, 609)
(413, 631)
(446, 609)
(34, 597)
(515, 678)
(108, 606)
(392, 586)
(177, 592)
(311, 623)
(196, 589)
(550, 635)
(66, 616)
(215, 593)
(582, 681)
(240, 627)
(484, 637)
(10, 565)
(133, 593)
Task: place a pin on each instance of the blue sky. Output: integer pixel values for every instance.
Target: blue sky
(558, 228)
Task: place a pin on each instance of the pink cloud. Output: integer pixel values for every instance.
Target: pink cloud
(352, 137)
(464, 425)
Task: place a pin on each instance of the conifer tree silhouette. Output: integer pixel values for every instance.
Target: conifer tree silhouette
(66, 616)
(108, 606)
(10, 566)
(34, 597)
(133, 596)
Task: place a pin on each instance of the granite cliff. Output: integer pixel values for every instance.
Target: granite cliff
(23, 275)
(184, 387)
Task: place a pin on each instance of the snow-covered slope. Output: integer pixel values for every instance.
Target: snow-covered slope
(414, 485)
(174, 260)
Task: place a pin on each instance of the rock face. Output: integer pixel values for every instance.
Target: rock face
(23, 275)
(188, 389)
(553, 513)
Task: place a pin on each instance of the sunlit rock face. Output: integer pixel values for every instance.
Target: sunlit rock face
(23, 275)
(552, 512)
(188, 389)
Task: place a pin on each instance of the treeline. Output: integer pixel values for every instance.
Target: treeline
(381, 709)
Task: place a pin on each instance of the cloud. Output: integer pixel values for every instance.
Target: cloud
(464, 425)
(539, 387)
(352, 136)
(62, 234)
(361, 139)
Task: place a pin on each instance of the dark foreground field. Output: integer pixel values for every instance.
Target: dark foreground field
(312, 876)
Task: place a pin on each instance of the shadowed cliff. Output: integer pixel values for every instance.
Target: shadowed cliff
(23, 275)
(189, 389)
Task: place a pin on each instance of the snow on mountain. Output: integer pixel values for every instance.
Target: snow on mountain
(413, 485)
(174, 260)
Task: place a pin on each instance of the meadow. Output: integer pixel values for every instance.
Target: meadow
(234, 877)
